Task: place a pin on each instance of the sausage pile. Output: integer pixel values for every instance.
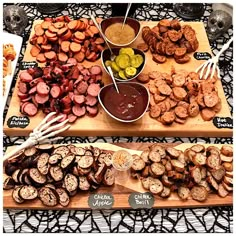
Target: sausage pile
(195, 172)
(55, 173)
(180, 95)
(169, 39)
(61, 38)
(65, 88)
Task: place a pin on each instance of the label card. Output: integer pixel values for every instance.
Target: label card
(141, 200)
(101, 201)
(223, 122)
(202, 55)
(24, 65)
(18, 121)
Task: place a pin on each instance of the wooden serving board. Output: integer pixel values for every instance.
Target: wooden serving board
(104, 125)
(122, 188)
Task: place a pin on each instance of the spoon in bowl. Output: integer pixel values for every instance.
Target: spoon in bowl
(104, 37)
(126, 14)
(113, 79)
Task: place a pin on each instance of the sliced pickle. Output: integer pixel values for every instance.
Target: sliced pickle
(123, 61)
(130, 72)
(136, 60)
(128, 51)
(115, 67)
(122, 74)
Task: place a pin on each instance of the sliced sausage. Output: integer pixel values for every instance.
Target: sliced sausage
(93, 90)
(48, 196)
(181, 112)
(25, 77)
(92, 111)
(79, 99)
(211, 99)
(82, 87)
(158, 58)
(168, 117)
(193, 109)
(165, 89)
(42, 88)
(179, 93)
(30, 109)
(78, 111)
(207, 114)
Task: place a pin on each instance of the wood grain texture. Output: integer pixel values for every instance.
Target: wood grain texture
(122, 189)
(104, 125)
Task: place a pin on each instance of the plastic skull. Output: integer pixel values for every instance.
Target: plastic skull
(218, 23)
(15, 19)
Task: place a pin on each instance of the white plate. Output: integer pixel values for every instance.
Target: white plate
(17, 42)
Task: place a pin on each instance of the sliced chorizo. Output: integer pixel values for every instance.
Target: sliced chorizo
(78, 111)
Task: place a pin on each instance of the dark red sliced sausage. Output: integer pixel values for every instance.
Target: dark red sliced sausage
(55, 91)
(78, 111)
(25, 77)
(41, 99)
(66, 100)
(95, 70)
(42, 88)
(63, 118)
(72, 118)
(23, 87)
(72, 61)
(67, 110)
(22, 95)
(90, 100)
(36, 81)
(32, 90)
(92, 111)
(26, 99)
(94, 89)
(79, 99)
(82, 87)
(30, 109)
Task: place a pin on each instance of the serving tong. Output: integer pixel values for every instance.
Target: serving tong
(211, 64)
(43, 133)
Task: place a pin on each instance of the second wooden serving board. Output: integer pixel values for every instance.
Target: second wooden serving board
(123, 187)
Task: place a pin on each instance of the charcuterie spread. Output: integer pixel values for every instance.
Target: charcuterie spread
(64, 176)
(70, 85)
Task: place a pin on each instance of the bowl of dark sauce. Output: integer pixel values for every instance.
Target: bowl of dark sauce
(127, 106)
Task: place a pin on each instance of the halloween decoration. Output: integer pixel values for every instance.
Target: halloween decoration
(51, 8)
(189, 11)
(43, 133)
(218, 23)
(211, 64)
(15, 19)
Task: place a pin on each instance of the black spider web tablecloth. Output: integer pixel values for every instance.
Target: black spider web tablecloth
(214, 219)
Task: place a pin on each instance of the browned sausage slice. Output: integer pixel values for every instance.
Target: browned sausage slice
(211, 99)
(207, 114)
(181, 112)
(179, 93)
(165, 89)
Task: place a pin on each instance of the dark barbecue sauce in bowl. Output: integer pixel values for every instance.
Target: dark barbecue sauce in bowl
(127, 105)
